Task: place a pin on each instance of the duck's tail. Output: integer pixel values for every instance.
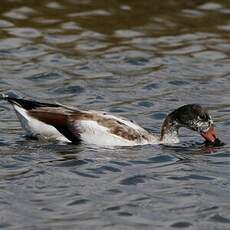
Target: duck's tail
(16, 99)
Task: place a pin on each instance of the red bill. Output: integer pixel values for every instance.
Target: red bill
(209, 135)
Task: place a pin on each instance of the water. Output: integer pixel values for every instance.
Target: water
(133, 58)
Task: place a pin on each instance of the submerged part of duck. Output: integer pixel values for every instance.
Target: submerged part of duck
(216, 143)
(67, 124)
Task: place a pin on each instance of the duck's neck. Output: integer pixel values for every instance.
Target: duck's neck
(169, 131)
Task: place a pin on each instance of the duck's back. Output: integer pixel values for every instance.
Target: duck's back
(106, 129)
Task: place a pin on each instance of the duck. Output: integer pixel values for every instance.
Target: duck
(55, 121)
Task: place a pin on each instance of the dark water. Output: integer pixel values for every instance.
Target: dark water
(139, 59)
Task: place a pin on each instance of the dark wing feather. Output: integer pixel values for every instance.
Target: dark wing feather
(28, 104)
(51, 114)
(59, 118)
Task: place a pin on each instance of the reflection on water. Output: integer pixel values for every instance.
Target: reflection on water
(140, 60)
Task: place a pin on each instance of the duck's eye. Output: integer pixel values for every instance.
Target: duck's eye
(201, 117)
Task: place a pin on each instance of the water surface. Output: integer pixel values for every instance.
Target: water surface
(136, 59)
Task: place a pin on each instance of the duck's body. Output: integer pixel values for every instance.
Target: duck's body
(93, 127)
(67, 124)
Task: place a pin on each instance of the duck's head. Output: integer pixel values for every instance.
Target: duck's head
(193, 117)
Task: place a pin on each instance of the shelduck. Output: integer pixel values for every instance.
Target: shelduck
(66, 124)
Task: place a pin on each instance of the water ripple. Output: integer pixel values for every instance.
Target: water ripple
(137, 60)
